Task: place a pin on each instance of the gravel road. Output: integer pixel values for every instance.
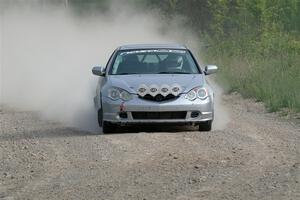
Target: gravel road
(256, 157)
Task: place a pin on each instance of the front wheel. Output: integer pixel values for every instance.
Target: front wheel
(205, 126)
(100, 117)
(108, 127)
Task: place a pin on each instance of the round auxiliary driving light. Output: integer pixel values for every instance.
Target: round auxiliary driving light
(142, 90)
(176, 89)
(165, 90)
(153, 90)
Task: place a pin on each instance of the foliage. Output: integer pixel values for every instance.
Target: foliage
(255, 43)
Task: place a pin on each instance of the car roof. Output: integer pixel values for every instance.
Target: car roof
(152, 46)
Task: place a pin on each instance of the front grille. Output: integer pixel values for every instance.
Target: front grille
(159, 115)
(158, 97)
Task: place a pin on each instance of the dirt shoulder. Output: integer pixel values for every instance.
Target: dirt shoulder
(256, 157)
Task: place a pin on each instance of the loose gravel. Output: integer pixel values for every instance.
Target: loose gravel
(256, 157)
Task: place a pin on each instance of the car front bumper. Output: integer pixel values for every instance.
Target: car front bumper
(112, 110)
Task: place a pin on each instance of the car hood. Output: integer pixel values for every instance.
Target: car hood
(132, 82)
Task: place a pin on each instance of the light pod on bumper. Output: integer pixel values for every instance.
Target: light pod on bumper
(153, 90)
(176, 89)
(165, 90)
(143, 90)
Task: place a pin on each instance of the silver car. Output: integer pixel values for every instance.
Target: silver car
(153, 84)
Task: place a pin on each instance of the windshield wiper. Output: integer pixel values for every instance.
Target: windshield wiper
(174, 73)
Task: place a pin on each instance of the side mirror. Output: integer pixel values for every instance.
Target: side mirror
(210, 69)
(99, 71)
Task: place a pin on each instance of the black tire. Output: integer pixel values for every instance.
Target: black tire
(205, 126)
(108, 127)
(100, 117)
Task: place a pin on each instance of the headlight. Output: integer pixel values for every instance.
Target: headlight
(118, 93)
(202, 93)
(198, 92)
(124, 95)
(192, 95)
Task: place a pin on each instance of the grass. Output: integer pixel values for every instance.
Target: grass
(268, 71)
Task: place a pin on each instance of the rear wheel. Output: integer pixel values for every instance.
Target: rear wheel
(205, 126)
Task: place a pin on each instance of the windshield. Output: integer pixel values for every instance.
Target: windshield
(154, 61)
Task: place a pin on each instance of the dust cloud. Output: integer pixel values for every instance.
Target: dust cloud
(222, 114)
(47, 55)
